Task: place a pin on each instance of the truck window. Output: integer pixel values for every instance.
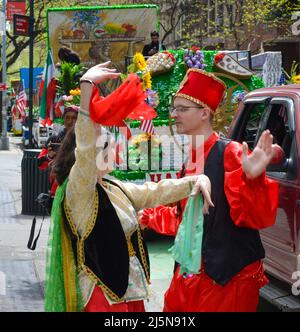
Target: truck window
(279, 128)
(280, 120)
(252, 120)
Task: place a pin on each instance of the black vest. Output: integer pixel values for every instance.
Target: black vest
(106, 255)
(226, 248)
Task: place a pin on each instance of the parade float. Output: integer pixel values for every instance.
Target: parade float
(160, 153)
(118, 33)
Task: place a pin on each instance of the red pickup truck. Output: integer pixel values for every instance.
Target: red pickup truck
(278, 109)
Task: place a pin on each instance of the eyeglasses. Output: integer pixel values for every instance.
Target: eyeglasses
(181, 110)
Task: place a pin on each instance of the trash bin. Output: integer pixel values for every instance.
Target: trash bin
(34, 182)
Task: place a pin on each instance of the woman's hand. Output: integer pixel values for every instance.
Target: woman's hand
(203, 186)
(96, 74)
(256, 163)
(100, 73)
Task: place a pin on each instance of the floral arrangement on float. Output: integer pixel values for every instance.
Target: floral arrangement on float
(68, 91)
(293, 77)
(144, 148)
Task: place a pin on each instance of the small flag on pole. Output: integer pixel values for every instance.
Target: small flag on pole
(48, 89)
(21, 101)
(148, 127)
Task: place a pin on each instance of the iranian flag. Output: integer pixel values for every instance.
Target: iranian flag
(48, 90)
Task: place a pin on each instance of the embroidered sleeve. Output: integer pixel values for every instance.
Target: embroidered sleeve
(152, 194)
(83, 176)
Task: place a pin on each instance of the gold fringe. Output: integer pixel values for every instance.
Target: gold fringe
(143, 254)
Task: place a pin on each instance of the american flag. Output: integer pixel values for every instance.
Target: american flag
(21, 102)
(148, 127)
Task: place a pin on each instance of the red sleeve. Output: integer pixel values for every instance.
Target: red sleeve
(43, 161)
(253, 202)
(162, 219)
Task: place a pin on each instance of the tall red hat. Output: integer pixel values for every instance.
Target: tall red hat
(202, 88)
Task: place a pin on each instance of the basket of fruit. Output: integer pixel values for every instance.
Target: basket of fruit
(161, 63)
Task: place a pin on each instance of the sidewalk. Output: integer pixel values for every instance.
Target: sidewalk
(22, 272)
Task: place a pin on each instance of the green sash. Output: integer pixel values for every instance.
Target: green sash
(62, 291)
(188, 242)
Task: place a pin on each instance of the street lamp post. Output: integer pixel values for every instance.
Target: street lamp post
(30, 99)
(4, 141)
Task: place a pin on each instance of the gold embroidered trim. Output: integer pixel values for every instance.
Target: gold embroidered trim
(69, 218)
(131, 250)
(198, 102)
(143, 254)
(93, 218)
(105, 289)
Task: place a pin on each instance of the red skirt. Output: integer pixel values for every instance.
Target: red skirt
(98, 303)
(200, 293)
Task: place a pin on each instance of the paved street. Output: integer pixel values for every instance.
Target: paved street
(22, 271)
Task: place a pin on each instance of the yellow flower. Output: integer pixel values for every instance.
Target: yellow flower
(139, 61)
(75, 92)
(139, 139)
(295, 79)
(147, 82)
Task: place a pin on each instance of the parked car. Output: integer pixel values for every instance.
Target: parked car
(278, 109)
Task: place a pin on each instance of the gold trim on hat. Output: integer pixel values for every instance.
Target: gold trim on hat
(185, 79)
(197, 101)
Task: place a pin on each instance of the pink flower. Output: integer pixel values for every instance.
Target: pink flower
(67, 98)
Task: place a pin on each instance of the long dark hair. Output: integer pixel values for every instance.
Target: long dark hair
(65, 157)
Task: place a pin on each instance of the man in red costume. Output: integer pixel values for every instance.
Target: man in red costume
(231, 272)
